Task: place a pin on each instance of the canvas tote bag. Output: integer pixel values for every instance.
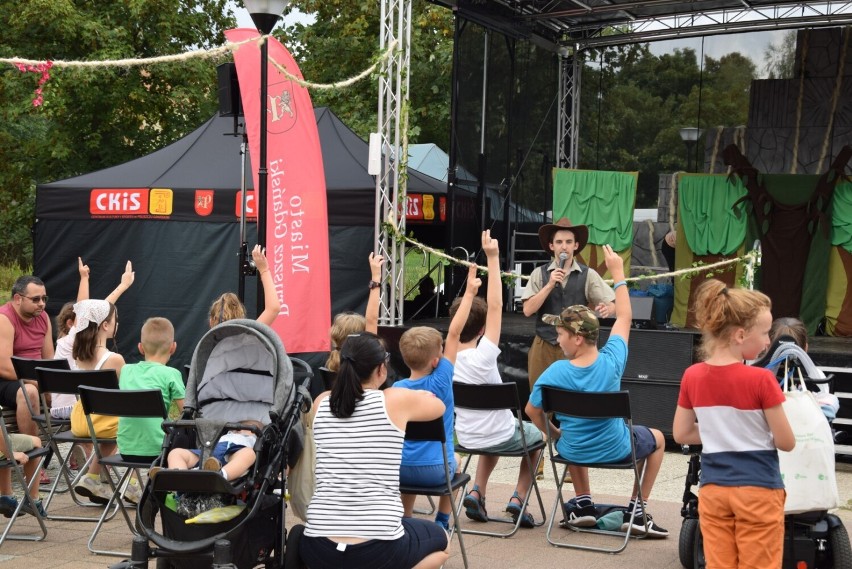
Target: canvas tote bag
(807, 470)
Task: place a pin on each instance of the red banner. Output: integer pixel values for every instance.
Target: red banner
(296, 213)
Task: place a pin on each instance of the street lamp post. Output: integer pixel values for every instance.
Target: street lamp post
(265, 15)
(690, 135)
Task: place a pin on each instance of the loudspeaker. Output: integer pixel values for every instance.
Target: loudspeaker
(644, 314)
(229, 91)
(659, 354)
(652, 402)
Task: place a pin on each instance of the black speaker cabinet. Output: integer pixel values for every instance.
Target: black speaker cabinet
(652, 402)
(659, 354)
(229, 91)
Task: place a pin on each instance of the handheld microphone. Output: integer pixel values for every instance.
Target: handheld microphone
(563, 257)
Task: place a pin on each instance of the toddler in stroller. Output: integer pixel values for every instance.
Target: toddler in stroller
(240, 371)
(813, 539)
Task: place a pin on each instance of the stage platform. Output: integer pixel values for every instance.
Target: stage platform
(656, 361)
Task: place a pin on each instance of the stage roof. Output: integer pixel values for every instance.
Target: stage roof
(587, 23)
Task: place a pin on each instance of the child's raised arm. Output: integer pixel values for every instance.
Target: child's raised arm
(127, 279)
(451, 346)
(494, 316)
(372, 314)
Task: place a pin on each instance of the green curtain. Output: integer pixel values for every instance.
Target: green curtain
(841, 216)
(710, 225)
(602, 200)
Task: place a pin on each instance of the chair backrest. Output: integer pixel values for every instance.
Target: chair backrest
(123, 403)
(328, 378)
(489, 397)
(25, 367)
(426, 430)
(586, 404)
(69, 380)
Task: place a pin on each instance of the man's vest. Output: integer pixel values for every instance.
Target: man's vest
(572, 292)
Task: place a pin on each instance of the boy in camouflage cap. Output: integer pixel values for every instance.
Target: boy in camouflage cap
(598, 440)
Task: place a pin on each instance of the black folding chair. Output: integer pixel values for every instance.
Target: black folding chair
(69, 381)
(26, 504)
(328, 378)
(141, 403)
(495, 397)
(434, 431)
(25, 369)
(590, 405)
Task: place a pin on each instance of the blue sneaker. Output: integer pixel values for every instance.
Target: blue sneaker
(8, 505)
(38, 506)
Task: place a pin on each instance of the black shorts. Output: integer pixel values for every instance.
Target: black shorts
(8, 392)
(422, 538)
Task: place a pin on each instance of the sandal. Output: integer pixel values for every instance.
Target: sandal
(527, 521)
(474, 508)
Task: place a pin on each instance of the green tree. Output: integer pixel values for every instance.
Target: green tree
(633, 104)
(779, 59)
(344, 40)
(95, 118)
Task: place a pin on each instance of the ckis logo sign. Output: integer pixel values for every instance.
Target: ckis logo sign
(131, 202)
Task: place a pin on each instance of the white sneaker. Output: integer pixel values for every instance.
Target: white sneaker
(132, 493)
(93, 489)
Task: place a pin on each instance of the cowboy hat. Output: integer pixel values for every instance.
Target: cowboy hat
(546, 232)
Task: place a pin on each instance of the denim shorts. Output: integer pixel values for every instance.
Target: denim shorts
(645, 442)
(431, 475)
(221, 451)
(515, 444)
(422, 538)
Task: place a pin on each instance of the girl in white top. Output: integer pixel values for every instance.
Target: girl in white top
(97, 322)
(355, 517)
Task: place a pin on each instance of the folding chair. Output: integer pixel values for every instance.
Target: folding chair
(42, 456)
(434, 431)
(119, 403)
(328, 378)
(495, 397)
(69, 381)
(589, 405)
(25, 369)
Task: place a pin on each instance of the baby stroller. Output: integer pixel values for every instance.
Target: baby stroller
(812, 540)
(239, 371)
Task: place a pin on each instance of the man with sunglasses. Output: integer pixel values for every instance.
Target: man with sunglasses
(24, 332)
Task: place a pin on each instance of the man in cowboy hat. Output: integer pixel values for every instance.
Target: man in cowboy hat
(562, 283)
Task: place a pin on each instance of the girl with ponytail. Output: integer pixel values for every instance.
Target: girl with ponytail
(735, 412)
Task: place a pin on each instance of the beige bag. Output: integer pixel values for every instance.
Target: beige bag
(302, 480)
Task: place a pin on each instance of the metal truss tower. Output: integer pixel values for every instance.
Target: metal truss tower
(392, 124)
(568, 122)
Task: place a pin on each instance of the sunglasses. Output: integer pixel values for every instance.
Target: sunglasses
(37, 299)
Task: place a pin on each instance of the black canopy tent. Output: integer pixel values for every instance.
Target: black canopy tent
(175, 214)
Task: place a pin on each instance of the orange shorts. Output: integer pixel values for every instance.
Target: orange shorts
(742, 526)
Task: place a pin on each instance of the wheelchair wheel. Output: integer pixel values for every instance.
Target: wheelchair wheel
(841, 550)
(690, 547)
(686, 542)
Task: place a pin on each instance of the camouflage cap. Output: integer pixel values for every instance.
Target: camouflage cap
(577, 319)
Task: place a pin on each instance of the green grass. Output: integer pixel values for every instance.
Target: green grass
(417, 265)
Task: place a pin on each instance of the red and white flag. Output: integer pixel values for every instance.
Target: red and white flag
(296, 211)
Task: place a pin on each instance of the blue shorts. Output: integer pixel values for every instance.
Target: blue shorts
(422, 538)
(644, 440)
(222, 451)
(430, 475)
(515, 443)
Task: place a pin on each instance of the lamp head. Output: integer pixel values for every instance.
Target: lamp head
(265, 13)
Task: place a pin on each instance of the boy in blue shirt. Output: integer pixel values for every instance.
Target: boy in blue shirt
(587, 369)
(432, 370)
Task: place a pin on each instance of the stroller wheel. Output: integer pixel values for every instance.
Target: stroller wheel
(841, 550)
(690, 545)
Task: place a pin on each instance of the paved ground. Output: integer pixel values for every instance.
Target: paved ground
(65, 545)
